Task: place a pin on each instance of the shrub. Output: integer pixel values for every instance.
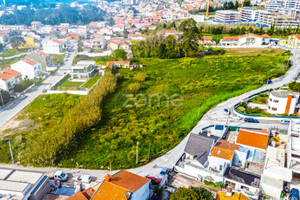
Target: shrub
(134, 87)
(140, 77)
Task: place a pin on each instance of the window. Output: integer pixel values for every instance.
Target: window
(275, 101)
(269, 107)
(275, 109)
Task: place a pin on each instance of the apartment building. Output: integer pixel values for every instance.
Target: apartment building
(227, 16)
(283, 102)
(267, 18)
(249, 14)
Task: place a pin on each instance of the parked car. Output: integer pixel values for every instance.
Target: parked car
(268, 82)
(285, 121)
(226, 111)
(61, 176)
(294, 194)
(163, 172)
(154, 181)
(251, 120)
(44, 91)
(85, 181)
(235, 116)
(22, 96)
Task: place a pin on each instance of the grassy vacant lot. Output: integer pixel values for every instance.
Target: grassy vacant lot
(261, 99)
(44, 112)
(91, 82)
(252, 51)
(12, 52)
(132, 114)
(57, 58)
(198, 80)
(70, 84)
(8, 63)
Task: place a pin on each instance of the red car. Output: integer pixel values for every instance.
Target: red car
(154, 180)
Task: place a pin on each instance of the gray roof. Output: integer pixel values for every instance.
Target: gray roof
(242, 177)
(200, 146)
(283, 93)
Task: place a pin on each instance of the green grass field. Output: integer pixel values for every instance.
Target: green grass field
(12, 52)
(128, 117)
(8, 63)
(91, 82)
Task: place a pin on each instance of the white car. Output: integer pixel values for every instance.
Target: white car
(61, 176)
(85, 181)
(235, 116)
(226, 111)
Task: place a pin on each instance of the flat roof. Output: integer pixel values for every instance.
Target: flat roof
(13, 186)
(25, 176)
(4, 173)
(283, 93)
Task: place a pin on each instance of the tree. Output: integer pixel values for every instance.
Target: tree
(17, 41)
(184, 194)
(4, 95)
(111, 21)
(204, 193)
(140, 77)
(119, 54)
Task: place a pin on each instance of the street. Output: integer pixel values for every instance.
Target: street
(10, 111)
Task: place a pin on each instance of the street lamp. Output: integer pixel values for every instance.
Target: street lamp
(199, 109)
(11, 153)
(137, 152)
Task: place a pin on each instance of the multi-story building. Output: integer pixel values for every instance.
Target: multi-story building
(294, 41)
(9, 78)
(267, 18)
(28, 68)
(283, 102)
(83, 70)
(227, 16)
(52, 46)
(249, 14)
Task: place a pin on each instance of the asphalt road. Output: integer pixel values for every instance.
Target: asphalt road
(16, 106)
(214, 116)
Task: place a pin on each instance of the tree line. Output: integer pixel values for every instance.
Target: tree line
(183, 44)
(45, 147)
(53, 16)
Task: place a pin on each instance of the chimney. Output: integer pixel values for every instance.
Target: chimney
(108, 177)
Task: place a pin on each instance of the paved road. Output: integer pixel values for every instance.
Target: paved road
(15, 56)
(14, 108)
(214, 116)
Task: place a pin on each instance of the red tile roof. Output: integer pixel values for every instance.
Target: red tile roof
(41, 53)
(77, 196)
(88, 193)
(207, 37)
(29, 61)
(108, 191)
(8, 73)
(224, 149)
(231, 38)
(253, 138)
(249, 34)
(265, 36)
(57, 41)
(297, 36)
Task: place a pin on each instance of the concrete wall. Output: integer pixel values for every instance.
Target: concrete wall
(43, 189)
(142, 193)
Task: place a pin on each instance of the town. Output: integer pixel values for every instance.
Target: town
(132, 99)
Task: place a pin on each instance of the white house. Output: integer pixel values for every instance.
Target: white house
(249, 39)
(283, 102)
(9, 78)
(136, 37)
(28, 68)
(52, 46)
(83, 70)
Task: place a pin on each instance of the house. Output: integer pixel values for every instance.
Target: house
(36, 25)
(84, 195)
(265, 39)
(84, 70)
(123, 185)
(283, 102)
(29, 42)
(125, 45)
(121, 64)
(206, 40)
(118, 28)
(195, 160)
(243, 182)
(249, 39)
(52, 46)
(3, 39)
(98, 42)
(253, 139)
(136, 37)
(28, 68)
(271, 181)
(40, 57)
(294, 41)
(25, 185)
(9, 78)
(73, 36)
(113, 44)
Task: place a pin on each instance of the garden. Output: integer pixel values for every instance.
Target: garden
(156, 105)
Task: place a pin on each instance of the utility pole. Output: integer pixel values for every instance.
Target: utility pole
(2, 105)
(137, 152)
(11, 153)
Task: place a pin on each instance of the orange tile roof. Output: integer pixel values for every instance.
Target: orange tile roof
(207, 37)
(248, 34)
(224, 149)
(88, 193)
(265, 36)
(235, 196)
(77, 196)
(109, 191)
(57, 41)
(11, 72)
(231, 38)
(253, 138)
(42, 53)
(29, 61)
(297, 36)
